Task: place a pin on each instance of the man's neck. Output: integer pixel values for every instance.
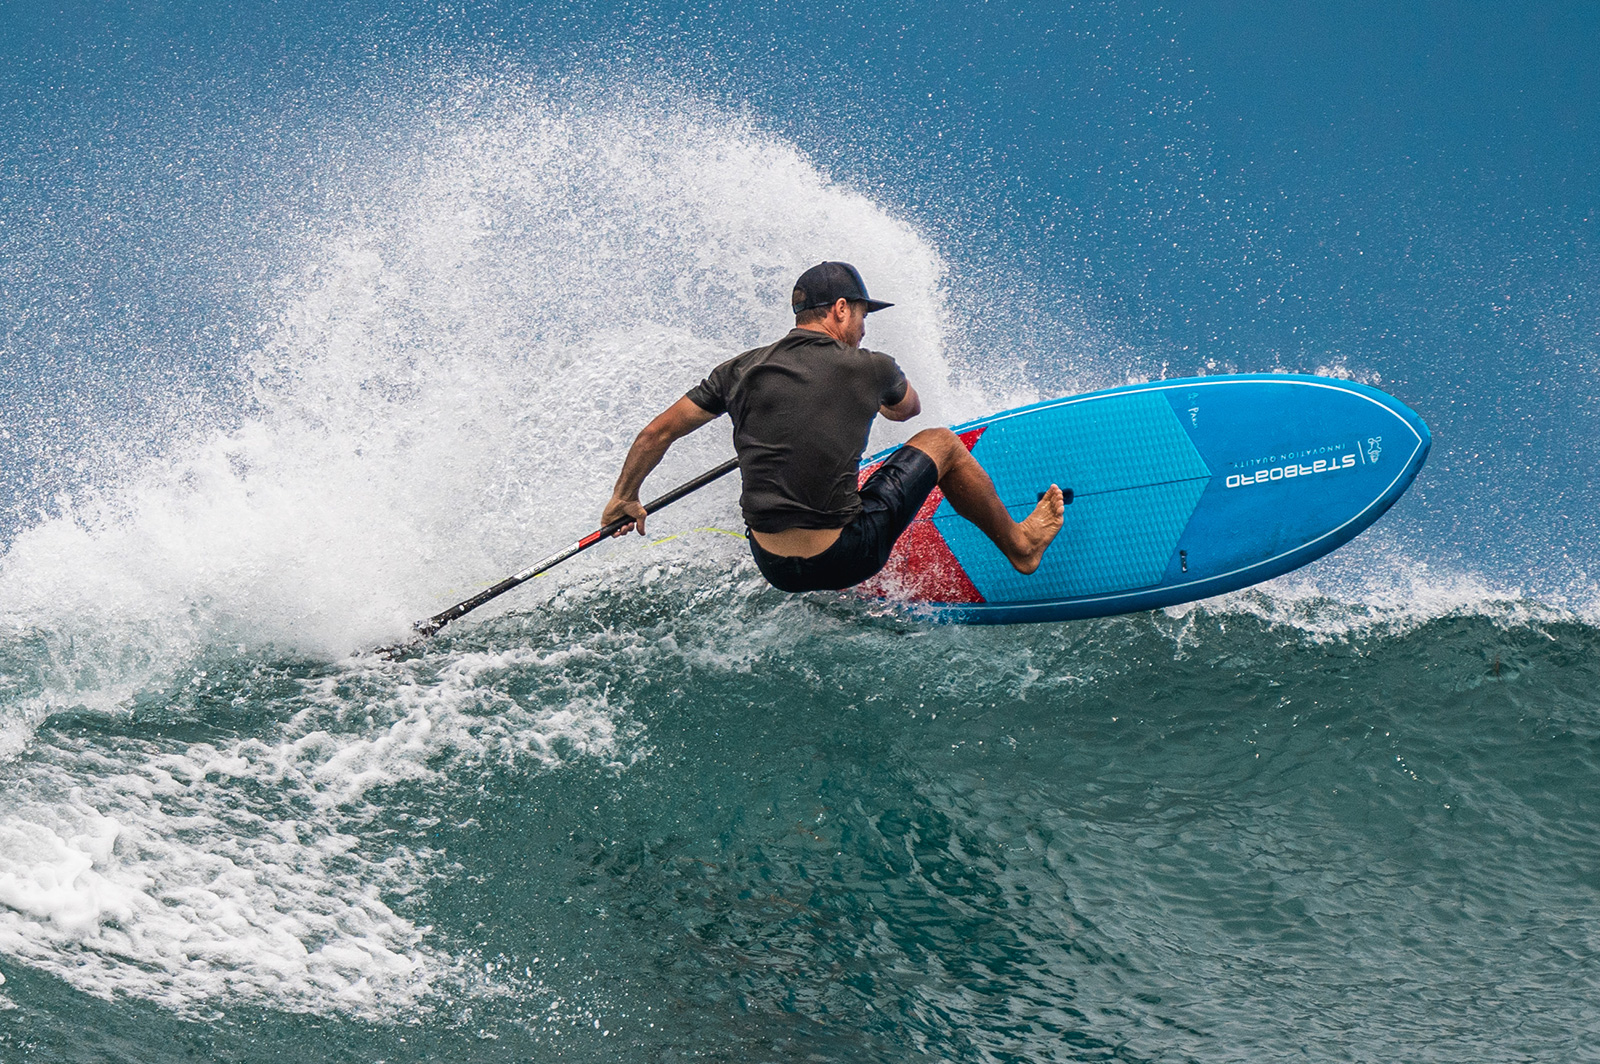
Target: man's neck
(823, 329)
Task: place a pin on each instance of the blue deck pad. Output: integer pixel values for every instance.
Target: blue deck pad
(1112, 541)
(1114, 442)
(1136, 477)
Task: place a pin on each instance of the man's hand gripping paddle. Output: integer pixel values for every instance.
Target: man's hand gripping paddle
(432, 625)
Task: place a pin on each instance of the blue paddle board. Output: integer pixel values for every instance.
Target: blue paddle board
(1179, 490)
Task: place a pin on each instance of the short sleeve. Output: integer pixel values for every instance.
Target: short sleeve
(892, 379)
(711, 394)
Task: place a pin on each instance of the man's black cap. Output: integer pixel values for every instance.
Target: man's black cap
(827, 282)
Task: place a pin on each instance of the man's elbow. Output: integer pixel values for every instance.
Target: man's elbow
(655, 436)
(902, 411)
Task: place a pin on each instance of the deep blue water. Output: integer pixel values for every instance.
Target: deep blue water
(315, 319)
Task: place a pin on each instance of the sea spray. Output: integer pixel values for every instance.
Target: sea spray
(458, 366)
(455, 373)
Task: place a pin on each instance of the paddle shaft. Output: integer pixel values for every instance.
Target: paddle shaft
(439, 620)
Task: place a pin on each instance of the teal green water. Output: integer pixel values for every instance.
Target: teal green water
(697, 820)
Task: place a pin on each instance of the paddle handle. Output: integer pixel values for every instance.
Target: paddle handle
(439, 620)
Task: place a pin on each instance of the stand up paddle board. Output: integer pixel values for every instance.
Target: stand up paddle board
(1176, 490)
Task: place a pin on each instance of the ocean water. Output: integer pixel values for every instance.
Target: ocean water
(317, 321)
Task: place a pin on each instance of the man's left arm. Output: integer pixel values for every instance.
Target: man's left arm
(677, 421)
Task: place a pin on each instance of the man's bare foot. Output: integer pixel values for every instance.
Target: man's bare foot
(1037, 530)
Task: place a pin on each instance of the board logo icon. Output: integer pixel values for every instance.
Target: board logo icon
(1374, 448)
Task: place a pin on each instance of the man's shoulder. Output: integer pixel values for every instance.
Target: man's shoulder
(884, 363)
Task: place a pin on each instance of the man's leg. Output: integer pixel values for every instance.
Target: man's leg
(972, 493)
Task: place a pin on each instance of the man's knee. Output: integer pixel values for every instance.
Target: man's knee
(942, 445)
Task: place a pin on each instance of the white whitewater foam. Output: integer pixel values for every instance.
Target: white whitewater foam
(1364, 592)
(147, 881)
(196, 874)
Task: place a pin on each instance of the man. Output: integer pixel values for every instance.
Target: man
(801, 410)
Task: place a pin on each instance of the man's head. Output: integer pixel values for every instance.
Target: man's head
(830, 297)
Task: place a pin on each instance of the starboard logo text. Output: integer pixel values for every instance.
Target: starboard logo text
(1293, 469)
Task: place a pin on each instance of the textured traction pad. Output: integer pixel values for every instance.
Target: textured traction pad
(1136, 478)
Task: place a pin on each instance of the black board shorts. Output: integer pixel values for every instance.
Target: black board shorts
(890, 499)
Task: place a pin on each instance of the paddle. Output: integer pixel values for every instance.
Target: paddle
(439, 620)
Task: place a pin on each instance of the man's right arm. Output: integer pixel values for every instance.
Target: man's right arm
(907, 408)
(678, 420)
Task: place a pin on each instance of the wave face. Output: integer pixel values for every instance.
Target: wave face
(648, 808)
(672, 810)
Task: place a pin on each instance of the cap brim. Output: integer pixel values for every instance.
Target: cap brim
(877, 304)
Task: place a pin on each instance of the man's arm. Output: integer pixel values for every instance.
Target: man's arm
(678, 420)
(907, 408)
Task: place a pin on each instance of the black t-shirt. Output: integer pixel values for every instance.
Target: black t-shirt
(801, 411)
